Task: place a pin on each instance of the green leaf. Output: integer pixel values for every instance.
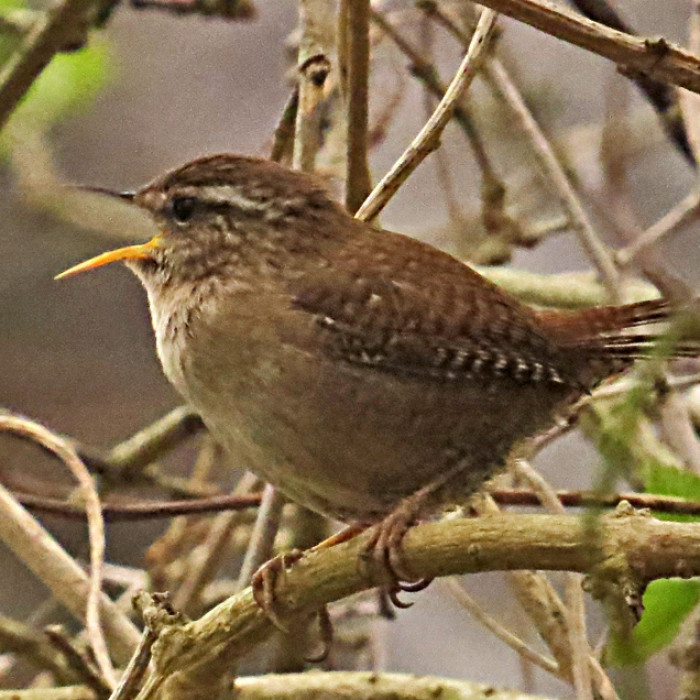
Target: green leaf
(667, 602)
(69, 82)
(669, 481)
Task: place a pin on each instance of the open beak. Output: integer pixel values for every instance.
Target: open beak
(132, 252)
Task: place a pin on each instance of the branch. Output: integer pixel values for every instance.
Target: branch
(428, 139)
(565, 290)
(365, 686)
(240, 10)
(655, 58)
(49, 35)
(96, 528)
(190, 659)
(56, 569)
(141, 510)
(663, 98)
(358, 184)
(314, 65)
(362, 685)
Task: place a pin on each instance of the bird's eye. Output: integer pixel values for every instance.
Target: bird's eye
(183, 208)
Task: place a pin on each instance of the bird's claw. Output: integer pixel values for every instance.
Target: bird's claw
(264, 582)
(384, 561)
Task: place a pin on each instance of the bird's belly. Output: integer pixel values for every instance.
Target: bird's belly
(351, 442)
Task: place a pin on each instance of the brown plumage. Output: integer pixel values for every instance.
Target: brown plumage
(362, 372)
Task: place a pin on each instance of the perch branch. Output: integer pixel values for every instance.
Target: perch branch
(189, 659)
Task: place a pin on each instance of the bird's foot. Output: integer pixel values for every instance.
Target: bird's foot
(383, 555)
(264, 582)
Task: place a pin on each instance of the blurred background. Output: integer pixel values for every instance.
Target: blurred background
(78, 355)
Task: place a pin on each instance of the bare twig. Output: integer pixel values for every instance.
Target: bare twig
(572, 290)
(428, 138)
(497, 75)
(427, 73)
(678, 430)
(316, 21)
(52, 565)
(64, 25)
(141, 510)
(663, 98)
(657, 58)
(581, 652)
(241, 10)
(201, 571)
(77, 660)
(283, 137)
(506, 636)
(136, 669)
(358, 184)
(590, 499)
(20, 639)
(158, 438)
(690, 102)
(215, 504)
(263, 536)
(550, 166)
(685, 212)
(96, 529)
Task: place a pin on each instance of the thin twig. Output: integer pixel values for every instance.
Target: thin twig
(663, 98)
(133, 674)
(77, 660)
(690, 102)
(65, 24)
(657, 58)
(427, 73)
(581, 652)
(314, 65)
(144, 510)
(141, 510)
(506, 636)
(283, 136)
(32, 646)
(204, 568)
(685, 212)
(678, 430)
(597, 251)
(590, 499)
(158, 438)
(358, 183)
(428, 138)
(96, 528)
(54, 567)
(263, 536)
(240, 10)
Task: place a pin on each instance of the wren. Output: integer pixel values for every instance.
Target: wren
(370, 377)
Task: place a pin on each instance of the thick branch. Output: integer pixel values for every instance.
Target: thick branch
(190, 659)
(341, 685)
(655, 58)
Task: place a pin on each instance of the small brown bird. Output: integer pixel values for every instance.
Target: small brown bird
(367, 375)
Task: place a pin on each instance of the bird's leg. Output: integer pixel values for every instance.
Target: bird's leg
(264, 581)
(384, 553)
(266, 577)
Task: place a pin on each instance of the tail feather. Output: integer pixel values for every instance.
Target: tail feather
(601, 339)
